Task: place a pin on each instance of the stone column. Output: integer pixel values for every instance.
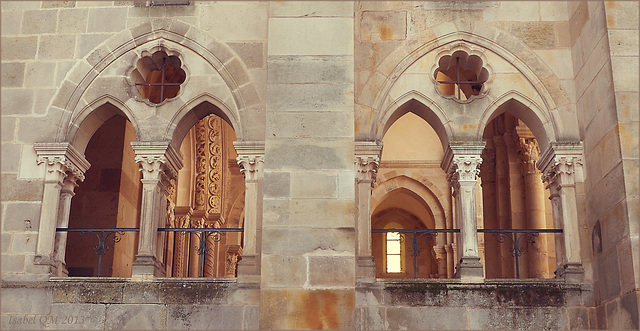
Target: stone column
(529, 152)
(64, 167)
(441, 258)
(561, 165)
(367, 160)
(503, 204)
(64, 211)
(251, 162)
(493, 264)
(461, 162)
(233, 254)
(159, 162)
(450, 260)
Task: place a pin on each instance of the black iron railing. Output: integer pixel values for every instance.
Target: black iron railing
(203, 235)
(102, 235)
(529, 237)
(429, 235)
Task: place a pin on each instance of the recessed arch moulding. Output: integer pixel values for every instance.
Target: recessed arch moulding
(512, 86)
(216, 82)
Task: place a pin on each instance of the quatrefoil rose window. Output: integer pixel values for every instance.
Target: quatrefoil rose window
(158, 77)
(461, 75)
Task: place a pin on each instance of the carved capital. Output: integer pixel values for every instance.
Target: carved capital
(251, 166)
(464, 168)
(529, 152)
(157, 159)
(61, 161)
(367, 168)
(367, 161)
(561, 164)
(250, 159)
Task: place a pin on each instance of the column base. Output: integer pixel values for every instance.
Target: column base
(366, 269)
(470, 270)
(249, 269)
(146, 267)
(59, 269)
(572, 273)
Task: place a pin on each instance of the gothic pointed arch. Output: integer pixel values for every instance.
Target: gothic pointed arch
(84, 84)
(518, 105)
(375, 97)
(414, 188)
(91, 117)
(421, 105)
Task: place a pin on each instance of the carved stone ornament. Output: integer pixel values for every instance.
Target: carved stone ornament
(61, 160)
(157, 160)
(367, 168)
(465, 168)
(250, 166)
(529, 152)
(560, 163)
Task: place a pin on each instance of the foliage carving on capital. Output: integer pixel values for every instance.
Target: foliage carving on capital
(367, 168)
(153, 166)
(465, 168)
(529, 152)
(562, 170)
(250, 166)
(62, 161)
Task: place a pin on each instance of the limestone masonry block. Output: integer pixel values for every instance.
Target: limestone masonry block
(310, 36)
(138, 316)
(12, 74)
(251, 53)
(309, 97)
(39, 21)
(381, 26)
(310, 69)
(309, 154)
(306, 309)
(306, 185)
(72, 21)
(18, 48)
(311, 8)
(284, 270)
(309, 124)
(299, 241)
(331, 271)
(112, 19)
(56, 47)
(278, 185)
(235, 20)
(204, 317)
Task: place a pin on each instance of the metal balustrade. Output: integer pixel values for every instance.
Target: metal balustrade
(429, 235)
(102, 236)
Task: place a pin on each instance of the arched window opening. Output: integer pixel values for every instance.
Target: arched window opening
(461, 75)
(514, 197)
(411, 147)
(108, 198)
(207, 199)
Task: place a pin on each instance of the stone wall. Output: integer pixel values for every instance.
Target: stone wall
(450, 305)
(605, 52)
(119, 303)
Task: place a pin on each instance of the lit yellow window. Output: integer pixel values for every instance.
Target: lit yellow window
(394, 259)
